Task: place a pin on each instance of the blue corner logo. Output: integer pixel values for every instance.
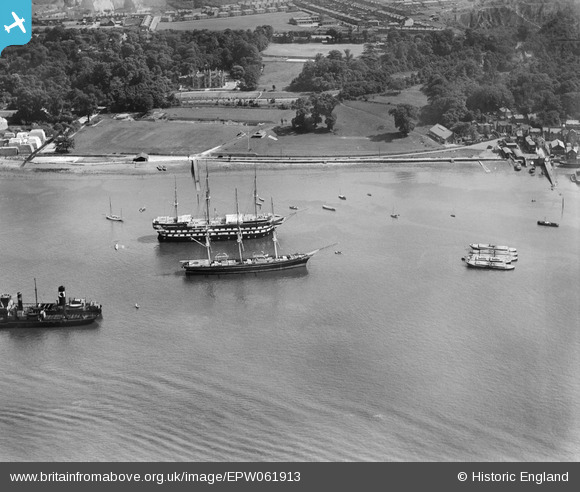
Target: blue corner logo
(15, 22)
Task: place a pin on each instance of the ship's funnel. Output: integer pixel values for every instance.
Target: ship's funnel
(61, 296)
(19, 296)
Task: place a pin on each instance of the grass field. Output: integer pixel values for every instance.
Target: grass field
(309, 50)
(242, 115)
(279, 73)
(164, 137)
(361, 128)
(279, 22)
(412, 95)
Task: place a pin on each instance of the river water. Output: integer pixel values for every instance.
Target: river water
(392, 350)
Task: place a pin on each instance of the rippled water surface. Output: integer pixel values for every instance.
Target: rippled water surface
(392, 350)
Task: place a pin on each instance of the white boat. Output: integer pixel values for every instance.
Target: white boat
(112, 216)
(487, 264)
(511, 255)
(328, 207)
(495, 247)
(490, 257)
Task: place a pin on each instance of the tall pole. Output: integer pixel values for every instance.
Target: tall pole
(274, 236)
(35, 292)
(175, 200)
(239, 229)
(208, 244)
(275, 240)
(207, 197)
(255, 193)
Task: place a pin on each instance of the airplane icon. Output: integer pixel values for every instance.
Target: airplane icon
(17, 23)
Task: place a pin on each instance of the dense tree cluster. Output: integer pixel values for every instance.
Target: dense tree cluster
(465, 75)
(62, 72)
(310, 111)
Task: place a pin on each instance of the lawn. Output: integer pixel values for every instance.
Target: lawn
(362, 127)
(279, 73)
(163, 137)
(235, 114)
(279, 22)
(309, 50)
(412, 95)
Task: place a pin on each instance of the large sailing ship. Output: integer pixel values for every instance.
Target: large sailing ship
(222, 264)
(224, 227)
(59, 314)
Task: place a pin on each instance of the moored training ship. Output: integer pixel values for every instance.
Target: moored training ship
(221, 264)
(225, 227)
(59, 314)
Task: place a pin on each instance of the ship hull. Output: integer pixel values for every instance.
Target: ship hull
(547, 223)
(62, 314)
(236, 267)
(183, 231)
(225, 233)
(489, 265)
(53, 322)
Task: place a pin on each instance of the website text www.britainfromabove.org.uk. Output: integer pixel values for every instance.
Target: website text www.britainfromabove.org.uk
(160, 478)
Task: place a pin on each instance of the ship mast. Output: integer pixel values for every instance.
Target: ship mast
(255, 194)
(175, 200)
(275, 241)
(239, 240)
(274, 236)
(208, 244)
(207, 197)
(35, 292)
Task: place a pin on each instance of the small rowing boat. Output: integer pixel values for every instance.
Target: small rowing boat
(548, 223)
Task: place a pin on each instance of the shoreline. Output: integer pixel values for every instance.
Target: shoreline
(124, 165)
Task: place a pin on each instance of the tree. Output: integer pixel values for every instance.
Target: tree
(251, 78)
(403, 115)
(64, 143)
(311, 110)
(303, 121)
(237, 72)
(489, 98)
(330, 121)
(84, 104)
(323, 105)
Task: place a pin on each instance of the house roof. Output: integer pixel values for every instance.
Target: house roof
(441, 132)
